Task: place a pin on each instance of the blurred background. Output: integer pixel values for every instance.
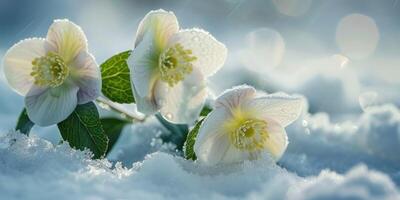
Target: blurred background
(342, 55)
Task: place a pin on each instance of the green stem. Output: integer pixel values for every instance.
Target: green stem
(116, 108)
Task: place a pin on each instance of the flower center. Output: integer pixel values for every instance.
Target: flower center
(250, 135)
(49, 70)
(175, 63)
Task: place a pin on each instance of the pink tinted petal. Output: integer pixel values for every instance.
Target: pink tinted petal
(87, 77)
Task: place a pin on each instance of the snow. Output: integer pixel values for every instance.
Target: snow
(33, 168)
(358, 183)
(373, 138)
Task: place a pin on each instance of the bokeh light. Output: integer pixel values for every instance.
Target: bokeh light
(357, 36)
(264, 49)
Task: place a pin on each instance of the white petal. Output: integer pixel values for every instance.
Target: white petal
(86, 76)
(214, 149)
(143, 64)
(17, 63)
(161, 24)
(183, 102)
(233, 98)
(233, 155)
(145, 105)
(210, 53)
(48, 106)
(277, 140)
(210, 135)
(283, 109)
(68, 38)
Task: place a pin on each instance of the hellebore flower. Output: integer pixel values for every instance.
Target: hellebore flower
(54, 74)
(169, 67)
(245, 125)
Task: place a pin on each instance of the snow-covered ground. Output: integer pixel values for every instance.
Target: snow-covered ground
(350, 160)
(33, 168)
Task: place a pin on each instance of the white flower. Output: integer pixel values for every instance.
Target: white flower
(245, 125)
(169, 67)
(54, 74)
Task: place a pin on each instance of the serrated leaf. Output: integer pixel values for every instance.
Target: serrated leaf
(24, 124)
(190, 140)
(113, 128)
(177, 134)
(116, 82)
(83, 129)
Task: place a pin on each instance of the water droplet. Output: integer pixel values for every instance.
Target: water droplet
(304, 123)
(307, 131)
(169, 116)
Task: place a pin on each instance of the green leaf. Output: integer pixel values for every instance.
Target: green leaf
(24, 124)
(190, 140)
(116, 82)
(113, 128)
(204, 112)
(83, 129)
(177, 134)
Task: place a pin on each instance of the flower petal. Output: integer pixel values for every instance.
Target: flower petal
(145, 105)
(183, 102)
(210, 53)
(283, 109)
(212, 141)
(17, 63)
(236, 96)
(234, 154)
(86, 75)
(143, 64)
(48, 106)
(161, 24)
(216, 149)
(277, 140)
(68, 38)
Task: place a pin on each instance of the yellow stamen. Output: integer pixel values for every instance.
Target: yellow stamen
(49, 70)
(250, 135)
(175, 63)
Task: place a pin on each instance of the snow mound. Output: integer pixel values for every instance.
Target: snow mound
(373, 138)
(33, 168)
(358, 183)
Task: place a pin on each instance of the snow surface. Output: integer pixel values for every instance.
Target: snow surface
(349, 160)
(33, 168)
(373, 138)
